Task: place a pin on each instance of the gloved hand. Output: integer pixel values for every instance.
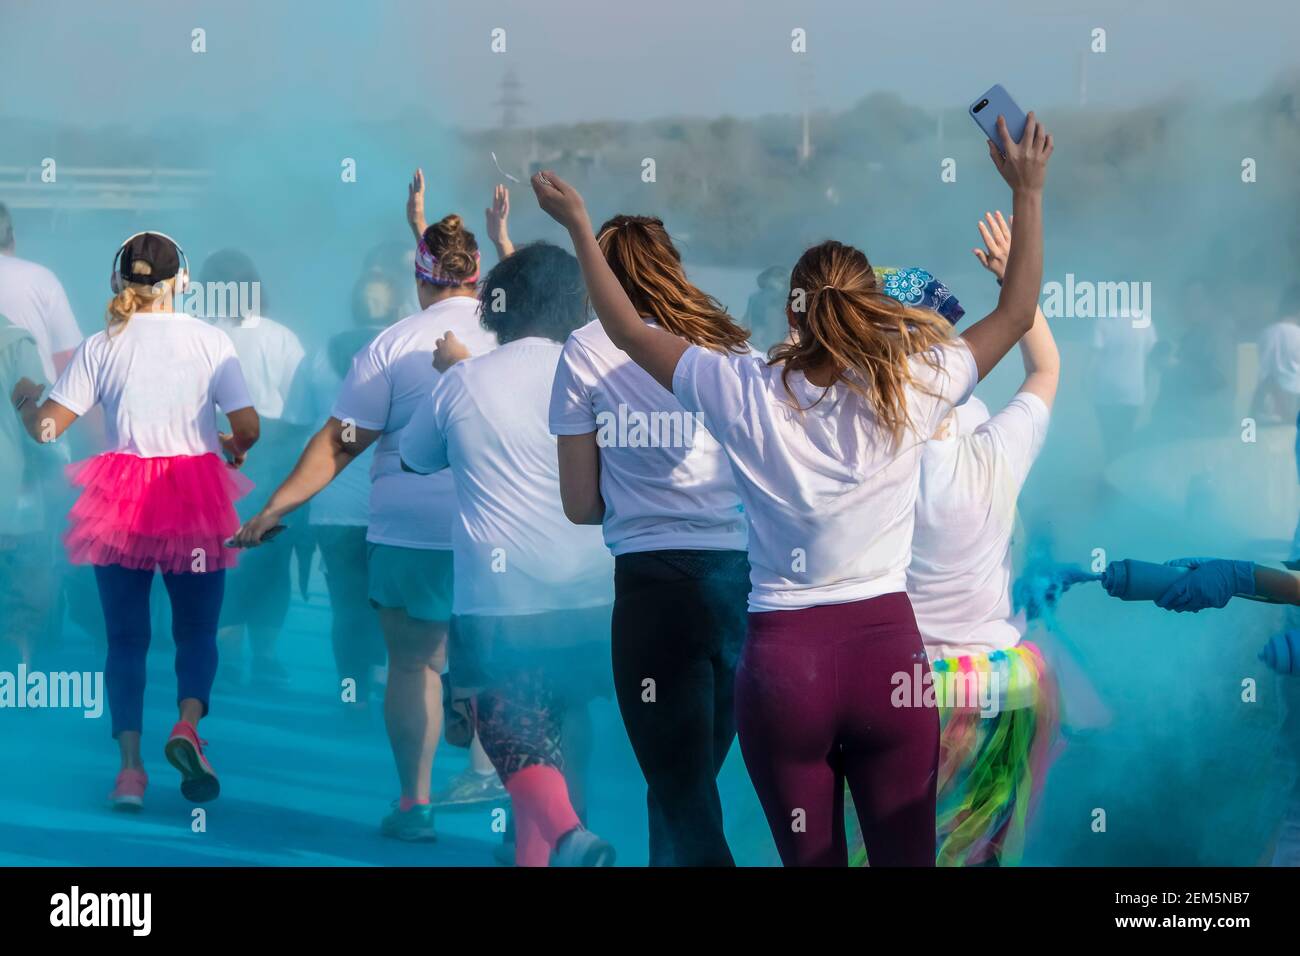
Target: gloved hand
(1211, 582)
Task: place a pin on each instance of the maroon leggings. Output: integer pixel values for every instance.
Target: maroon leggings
(816, 695)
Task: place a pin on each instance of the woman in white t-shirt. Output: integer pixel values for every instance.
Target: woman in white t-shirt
(160, 498)
(530, 631)
(339, 514)
(825, 442)
(997, 700)
(409, 536)
(258, 591)
(636, 462)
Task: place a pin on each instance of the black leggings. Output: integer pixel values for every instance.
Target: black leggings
(680, 621)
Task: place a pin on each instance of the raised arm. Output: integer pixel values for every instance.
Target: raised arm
(498, 215)
(415, 205)
(1024, 167)
(652, 348)
(1038, 347)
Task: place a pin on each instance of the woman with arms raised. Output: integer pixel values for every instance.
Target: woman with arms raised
(825, 440)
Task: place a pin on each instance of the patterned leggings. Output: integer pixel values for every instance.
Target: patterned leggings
(521, 725)
(521, 722)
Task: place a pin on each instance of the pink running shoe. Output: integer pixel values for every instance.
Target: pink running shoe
(184, 751)
(128, 793)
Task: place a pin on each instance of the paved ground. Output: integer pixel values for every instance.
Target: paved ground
(1186, 772)
(302, 783)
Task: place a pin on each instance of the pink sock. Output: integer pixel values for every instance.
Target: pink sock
(543, 813)
(531, 848)
(407, 802)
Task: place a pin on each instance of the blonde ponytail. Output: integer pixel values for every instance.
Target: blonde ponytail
(867, 338)
(132, 299)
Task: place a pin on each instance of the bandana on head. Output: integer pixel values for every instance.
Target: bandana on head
(428, 269)
(921, 290)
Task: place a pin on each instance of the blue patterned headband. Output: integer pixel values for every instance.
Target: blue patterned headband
(921, 290)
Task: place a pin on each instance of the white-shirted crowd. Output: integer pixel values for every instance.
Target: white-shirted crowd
(515, 495)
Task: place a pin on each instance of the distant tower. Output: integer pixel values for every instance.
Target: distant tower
(806, 98)
(510, 101)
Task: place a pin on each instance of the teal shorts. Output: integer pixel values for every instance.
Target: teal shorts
(413, 580)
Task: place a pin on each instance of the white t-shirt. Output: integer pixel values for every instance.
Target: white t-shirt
(34, 300)
(346, 499)
(665, 481)
(387, 382)
(25, 467)
(830, 502)
(1120, 366)
(515, 551)
(160, 380)
(1279, 356)
(960, 577)
(270, 354)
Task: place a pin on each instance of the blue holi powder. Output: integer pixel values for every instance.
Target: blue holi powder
(1282, 653)
(1038, 590)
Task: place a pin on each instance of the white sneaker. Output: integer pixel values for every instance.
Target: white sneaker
(581, 847)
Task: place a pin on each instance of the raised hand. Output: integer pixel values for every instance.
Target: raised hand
(1023, 165)
(560, 201)
(996, 233)
(415, 204)
(449, 350)
(497, 215)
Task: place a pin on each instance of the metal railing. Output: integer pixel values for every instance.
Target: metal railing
(102, 187)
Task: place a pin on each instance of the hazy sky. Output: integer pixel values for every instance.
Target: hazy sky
(90, 62)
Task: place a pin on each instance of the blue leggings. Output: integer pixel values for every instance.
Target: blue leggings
(196, 608)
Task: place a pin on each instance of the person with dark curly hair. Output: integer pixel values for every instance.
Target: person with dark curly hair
(531, 611)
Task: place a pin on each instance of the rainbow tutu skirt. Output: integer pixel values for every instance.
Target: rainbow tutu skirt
(992, 760)
(999, 719)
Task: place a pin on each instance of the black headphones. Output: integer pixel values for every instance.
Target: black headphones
(182, 274)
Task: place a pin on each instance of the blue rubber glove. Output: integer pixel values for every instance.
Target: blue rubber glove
(1211, 582)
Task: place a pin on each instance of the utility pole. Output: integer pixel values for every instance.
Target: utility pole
(510, 101)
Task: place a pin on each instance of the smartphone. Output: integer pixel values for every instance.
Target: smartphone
(994, 103)
(270, 533)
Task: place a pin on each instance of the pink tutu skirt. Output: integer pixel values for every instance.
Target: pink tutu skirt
(170, 513)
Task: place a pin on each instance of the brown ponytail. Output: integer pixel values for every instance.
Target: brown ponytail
(647, 265)
(848, 324)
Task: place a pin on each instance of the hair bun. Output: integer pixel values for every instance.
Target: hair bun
(459, 264)
(451, 223)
